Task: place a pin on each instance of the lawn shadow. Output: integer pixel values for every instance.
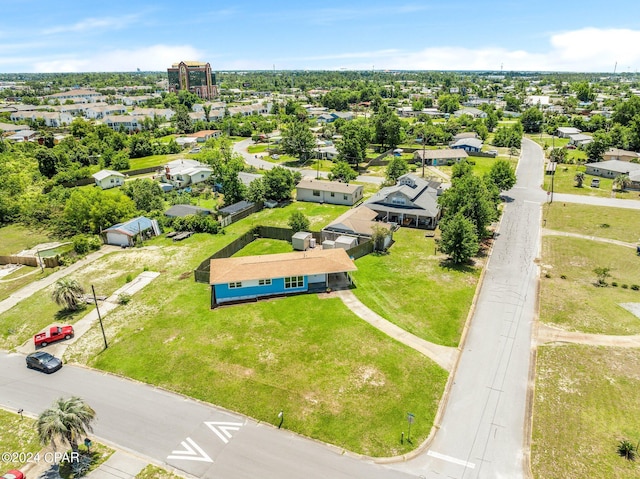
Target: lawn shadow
(69, 314)
(449, 265)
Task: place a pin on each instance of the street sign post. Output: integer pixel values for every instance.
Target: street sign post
(410, 419)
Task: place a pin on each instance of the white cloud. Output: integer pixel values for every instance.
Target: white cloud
(90, 24)
(588, 49)
(152, 58)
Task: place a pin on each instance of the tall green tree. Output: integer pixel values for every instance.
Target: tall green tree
(298, 221)
(470, 197)
(66, 293)
(396, 167)
(341, 171)
(67, 420)
(182, 120)
(145, 193)
(502, 175)
(352, 147)
(531, 120)
(279, 182)
(459, 239)
(387, 127)
(91, 210)
(298, 140)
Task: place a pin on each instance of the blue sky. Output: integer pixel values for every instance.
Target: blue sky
(87, 35)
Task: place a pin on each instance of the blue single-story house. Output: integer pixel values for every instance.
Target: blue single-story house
(470, 145)
(248, 278)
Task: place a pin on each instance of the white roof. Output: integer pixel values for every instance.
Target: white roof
(102, 174)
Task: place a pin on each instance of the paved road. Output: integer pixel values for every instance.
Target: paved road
(482, 433)
(256, 161)
(171, 429)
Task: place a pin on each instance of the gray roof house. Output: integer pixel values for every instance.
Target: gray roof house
(332, 192)
(440, 157)
(567, 131)
(186, 210)
(412, 202)
(124, 234)
(611, 168)
(357, 222)
(467, 144)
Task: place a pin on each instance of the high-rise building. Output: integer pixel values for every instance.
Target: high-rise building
(195, 77)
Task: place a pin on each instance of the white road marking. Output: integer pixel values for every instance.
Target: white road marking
(191, 452)
(221, 429)
(444, 457)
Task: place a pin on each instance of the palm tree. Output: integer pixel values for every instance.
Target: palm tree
(579, 179)
(67, 419)
(627, 450)
(66, 293)
(621, 182)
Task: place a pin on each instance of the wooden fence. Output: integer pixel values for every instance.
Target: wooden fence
(48, 262)
(361, 250)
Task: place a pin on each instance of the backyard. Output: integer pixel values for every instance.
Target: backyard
(564, 182)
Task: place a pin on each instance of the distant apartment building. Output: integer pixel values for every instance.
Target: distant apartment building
(195, 77)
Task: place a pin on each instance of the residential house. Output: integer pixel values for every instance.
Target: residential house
(622, 155)
(106, 179)
(126, 122)
(76, 95)
(440, 157)
(412, 202)
(471, 111)
(334, 115)
(182, 173)
(247, 178)
(470, 145)
(164, 113)
(247, 278)
(203, 135)
(567, 131)
(332, 192)
(580, 139)
(327, 152)
(359, 223)
(611, 168)
(100, 111)
(125, 234)
(9, 128)
(23, 135)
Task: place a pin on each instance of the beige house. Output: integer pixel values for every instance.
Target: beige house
(106, 179)
(440, 157)
(622, 155)
(331, 192)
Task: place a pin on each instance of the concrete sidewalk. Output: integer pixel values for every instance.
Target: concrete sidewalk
(120, 465)
(36, 286)
(443, 355)
(84, 324)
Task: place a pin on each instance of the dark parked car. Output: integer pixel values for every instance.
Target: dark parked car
(44, 362)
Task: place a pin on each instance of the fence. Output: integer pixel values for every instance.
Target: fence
(227, 220)
(202, 272)
(361, 250)
(49, 262)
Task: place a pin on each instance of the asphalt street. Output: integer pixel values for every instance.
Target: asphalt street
(196, 438)
(482, 433)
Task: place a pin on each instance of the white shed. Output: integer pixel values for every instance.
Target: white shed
(301, 241)
(346, 242)
(328, 244)
(108, 179)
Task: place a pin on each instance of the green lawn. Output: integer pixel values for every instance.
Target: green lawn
(15, 238)
(585, 403)
(18, 435)
(257, 148)
(337, 378)
(154, 160)
(155, 472)
(262, 246)
(575, 303)
(614, 223)
(564, 182)
(26, 274)
(415, 289)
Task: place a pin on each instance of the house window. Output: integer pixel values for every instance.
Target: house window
(332, 194)
(397, 200)
(294, 282)
(264, 282)
(316, 193)
(237, 284)
(344, 197)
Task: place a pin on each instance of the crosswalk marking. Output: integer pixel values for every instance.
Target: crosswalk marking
(221, 429)
(191, 452)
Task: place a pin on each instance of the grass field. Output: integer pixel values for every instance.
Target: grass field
(155, 472)
(262, 246)
(337, 379)
(575, 303)
(15, 238)
(26, 274)
(154, 160)
(18, 435)
(614, 223)
(564, 182)
(413, 288)
(585, 403)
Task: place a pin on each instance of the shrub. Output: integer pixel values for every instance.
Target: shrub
(563, 276)
(82, 244)
(197, 224)
(635, 287)
(614, 284)
(547, 275)
(625, 286)
(129, 278)
(124, 298)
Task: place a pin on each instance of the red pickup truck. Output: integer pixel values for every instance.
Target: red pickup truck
(54, 333)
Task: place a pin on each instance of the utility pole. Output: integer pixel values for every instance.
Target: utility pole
(95, 300)
(423, 153)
